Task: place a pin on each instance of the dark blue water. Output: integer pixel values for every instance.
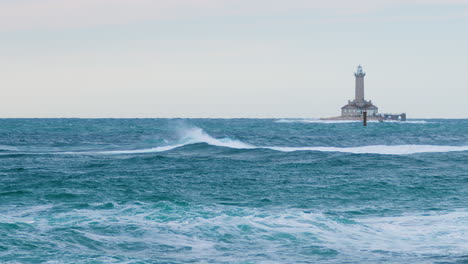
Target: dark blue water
(233, 191)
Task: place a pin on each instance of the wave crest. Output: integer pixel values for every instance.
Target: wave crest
(379, 149)
(196, 135)
(189, 136)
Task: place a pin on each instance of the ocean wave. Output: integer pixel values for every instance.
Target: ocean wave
(208, 230)
(8, 148)
(197, 135)
(134, 151)
(374, 149)
(189, 136)
(379, 149)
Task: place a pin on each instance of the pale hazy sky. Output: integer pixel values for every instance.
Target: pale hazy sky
(226, 58)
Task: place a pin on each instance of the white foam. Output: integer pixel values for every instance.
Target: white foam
(197, 135)
(423, 233)
(8, 148)
(201, 227)
(379, 149)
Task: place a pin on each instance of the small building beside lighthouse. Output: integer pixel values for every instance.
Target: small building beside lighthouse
(356, 107)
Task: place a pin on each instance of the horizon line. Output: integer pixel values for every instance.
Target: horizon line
(307, 118)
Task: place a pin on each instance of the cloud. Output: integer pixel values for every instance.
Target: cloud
(36, 14)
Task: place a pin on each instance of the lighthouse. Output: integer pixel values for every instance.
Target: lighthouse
(359, 108)
(359, 99)
(359, 105)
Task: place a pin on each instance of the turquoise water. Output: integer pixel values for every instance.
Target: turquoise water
(233, 191)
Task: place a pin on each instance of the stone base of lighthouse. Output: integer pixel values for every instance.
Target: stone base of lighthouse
(355, 109)
(352, 118)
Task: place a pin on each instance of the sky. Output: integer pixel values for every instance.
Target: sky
(230, 59)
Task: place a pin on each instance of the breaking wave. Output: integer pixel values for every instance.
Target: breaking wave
(7, 148)
(197, 135)
(379, 149)
(188, 137)
(207, 230)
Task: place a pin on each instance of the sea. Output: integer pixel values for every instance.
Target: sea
(233, 191)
